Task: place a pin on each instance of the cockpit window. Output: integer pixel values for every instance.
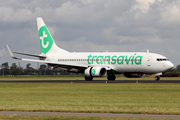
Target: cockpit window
(162, 59)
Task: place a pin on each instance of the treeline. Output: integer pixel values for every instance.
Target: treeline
(175, 72)
(18, 70)
(46, 70)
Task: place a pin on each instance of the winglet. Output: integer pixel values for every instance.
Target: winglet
(11, 54)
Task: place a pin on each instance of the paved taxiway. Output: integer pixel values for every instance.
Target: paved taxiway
(90, 114)
(94, 81)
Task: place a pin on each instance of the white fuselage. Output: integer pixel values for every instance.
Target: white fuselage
(121, 62)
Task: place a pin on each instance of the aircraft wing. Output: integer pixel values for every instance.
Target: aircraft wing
(65, 65)
(10, 52)
(30, 55)
(56, 64)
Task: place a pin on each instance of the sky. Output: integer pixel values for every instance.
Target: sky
(92, 26)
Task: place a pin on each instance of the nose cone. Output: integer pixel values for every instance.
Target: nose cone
(169, 65)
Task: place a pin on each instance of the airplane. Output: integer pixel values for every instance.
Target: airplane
(97, 64)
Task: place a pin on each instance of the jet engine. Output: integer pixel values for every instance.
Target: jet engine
(133, 75)
(95, 72)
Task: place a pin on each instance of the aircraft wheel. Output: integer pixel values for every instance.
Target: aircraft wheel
(88, 78)
(111, 77)
(157, 78)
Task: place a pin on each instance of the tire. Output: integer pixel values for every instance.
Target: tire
(157, 78)
(88, 78)
(111, 77)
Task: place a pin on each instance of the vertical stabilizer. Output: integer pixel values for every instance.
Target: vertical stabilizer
(47, 43)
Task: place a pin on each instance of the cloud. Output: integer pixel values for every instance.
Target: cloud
(144, 5)
(170, 16)
(3, 53)
(93, 25)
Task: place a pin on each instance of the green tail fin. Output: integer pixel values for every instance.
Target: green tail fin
(46, 41)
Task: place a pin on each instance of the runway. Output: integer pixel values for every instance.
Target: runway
(94, 81)
(89, 114)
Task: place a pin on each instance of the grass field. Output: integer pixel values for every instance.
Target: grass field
(91, 97)
(79, 77)
(17, 117)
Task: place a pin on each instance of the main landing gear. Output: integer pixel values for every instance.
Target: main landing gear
(111, 77)
(157, 78)
(88, 78)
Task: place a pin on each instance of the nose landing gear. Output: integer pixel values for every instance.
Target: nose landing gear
(111, 77)
(157, 78)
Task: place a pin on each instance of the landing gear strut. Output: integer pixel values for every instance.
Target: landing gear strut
(157, 78)
(111, 77)
(88, 78)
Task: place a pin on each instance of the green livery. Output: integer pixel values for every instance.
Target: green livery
(93, 71)
(46, 40)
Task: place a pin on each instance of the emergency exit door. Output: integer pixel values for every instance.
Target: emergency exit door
(149, 61)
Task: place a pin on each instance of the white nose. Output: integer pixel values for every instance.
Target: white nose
(169, 65)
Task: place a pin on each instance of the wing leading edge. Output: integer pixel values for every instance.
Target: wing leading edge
(64, 64)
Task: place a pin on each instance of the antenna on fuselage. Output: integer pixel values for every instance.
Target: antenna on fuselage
(147, 51)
